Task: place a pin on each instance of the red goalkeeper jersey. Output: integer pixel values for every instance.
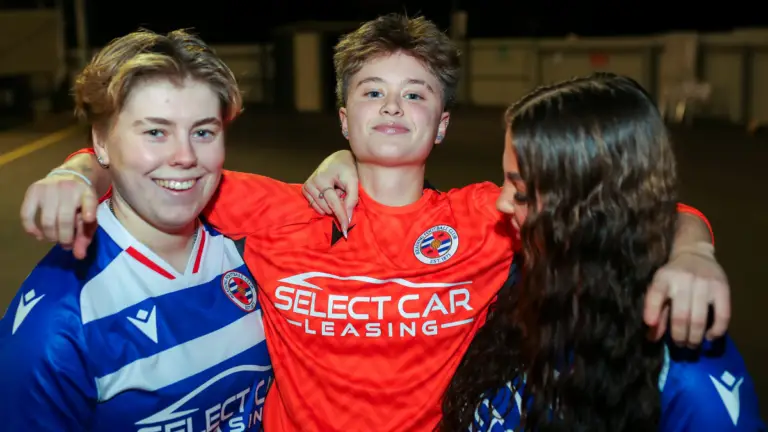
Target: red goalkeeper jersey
(365, 333)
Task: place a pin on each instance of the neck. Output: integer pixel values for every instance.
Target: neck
(392, 186)
(172, 246)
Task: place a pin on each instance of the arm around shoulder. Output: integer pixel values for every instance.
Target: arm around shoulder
(245, 203)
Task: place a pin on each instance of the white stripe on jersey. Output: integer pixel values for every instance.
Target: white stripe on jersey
(115, 288)
(184, 360)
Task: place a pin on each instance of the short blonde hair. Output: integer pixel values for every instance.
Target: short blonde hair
(389, 35)
(103, 86)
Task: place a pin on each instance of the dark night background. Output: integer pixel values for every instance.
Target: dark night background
(244, 21)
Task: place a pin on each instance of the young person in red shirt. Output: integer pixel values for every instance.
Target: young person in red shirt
(367, 319)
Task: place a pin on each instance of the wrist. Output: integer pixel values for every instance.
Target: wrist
(70, 173)
(701, 249)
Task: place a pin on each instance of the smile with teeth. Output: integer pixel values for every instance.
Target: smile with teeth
(178, 185)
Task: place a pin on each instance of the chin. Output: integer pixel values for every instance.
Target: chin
(173, 221)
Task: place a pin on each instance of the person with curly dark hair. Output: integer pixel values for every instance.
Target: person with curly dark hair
(590, 181)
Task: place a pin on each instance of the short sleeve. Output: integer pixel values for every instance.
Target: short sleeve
(246, 203)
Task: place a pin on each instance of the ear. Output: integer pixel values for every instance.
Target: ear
(343, 122)
(442, 128)
(100, 145)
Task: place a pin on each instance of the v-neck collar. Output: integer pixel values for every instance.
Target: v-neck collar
(144, 255)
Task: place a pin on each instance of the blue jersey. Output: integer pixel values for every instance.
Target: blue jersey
(123, 342)
(701, 390)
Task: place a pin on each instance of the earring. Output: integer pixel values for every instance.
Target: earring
(345, 133)
(101, 162)
(439, 137)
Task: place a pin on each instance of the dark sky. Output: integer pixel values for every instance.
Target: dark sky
(242, 21)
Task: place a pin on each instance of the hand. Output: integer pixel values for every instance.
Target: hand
(693, 280)
(67, 207)
(334, 181)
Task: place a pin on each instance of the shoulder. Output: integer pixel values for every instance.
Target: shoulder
(709, 387)
(47, 381)
(477, 193)
(255, 184)
(477, 199)
(41, 333)
(474, 209)
(246, 203)
(47, 303)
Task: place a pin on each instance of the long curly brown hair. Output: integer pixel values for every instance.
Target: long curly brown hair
(598, 158)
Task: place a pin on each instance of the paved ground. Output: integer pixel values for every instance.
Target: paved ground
(724, 173)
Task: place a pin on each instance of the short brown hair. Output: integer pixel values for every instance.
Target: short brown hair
(102, 87)
(394, 33)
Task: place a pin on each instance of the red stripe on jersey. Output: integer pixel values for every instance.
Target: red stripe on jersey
(199, 256)
(147, 262)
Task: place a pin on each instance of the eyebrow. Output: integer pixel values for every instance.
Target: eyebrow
(166, 122)
(514, 176)
(409, 81)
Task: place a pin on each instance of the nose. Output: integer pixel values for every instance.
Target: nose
(392, 106)
(506, 201)
(184, 155)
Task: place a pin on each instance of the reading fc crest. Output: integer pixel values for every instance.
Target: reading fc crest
(240, 290)
(436, 245)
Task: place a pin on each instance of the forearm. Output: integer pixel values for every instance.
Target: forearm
(87, 165)
(692, 233)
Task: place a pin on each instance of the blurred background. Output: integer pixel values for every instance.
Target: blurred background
(706, 65)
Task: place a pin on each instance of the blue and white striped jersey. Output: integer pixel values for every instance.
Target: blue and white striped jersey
(123, 342)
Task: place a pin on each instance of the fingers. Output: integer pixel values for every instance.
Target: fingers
(66, 223)
(88, 205)
(312, 194)
(70, 199)
(49, 211)
(721, 300)
(699, 312)
(655, 299)
(83, 238)
(656, 332)
(350, 200)
(681, 313)
(58, 201)
(29, 211)
(334, 202)
(311, 200)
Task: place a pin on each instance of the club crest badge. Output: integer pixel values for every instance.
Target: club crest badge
(240, 289)
(436, 245)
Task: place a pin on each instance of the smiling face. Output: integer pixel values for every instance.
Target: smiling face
(165, 150)
(394, 111)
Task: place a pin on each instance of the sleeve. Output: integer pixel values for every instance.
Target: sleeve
(246, 203)
(684, 208)
(483, 198)
(45, 384)
(483, 201)
(708, 390)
